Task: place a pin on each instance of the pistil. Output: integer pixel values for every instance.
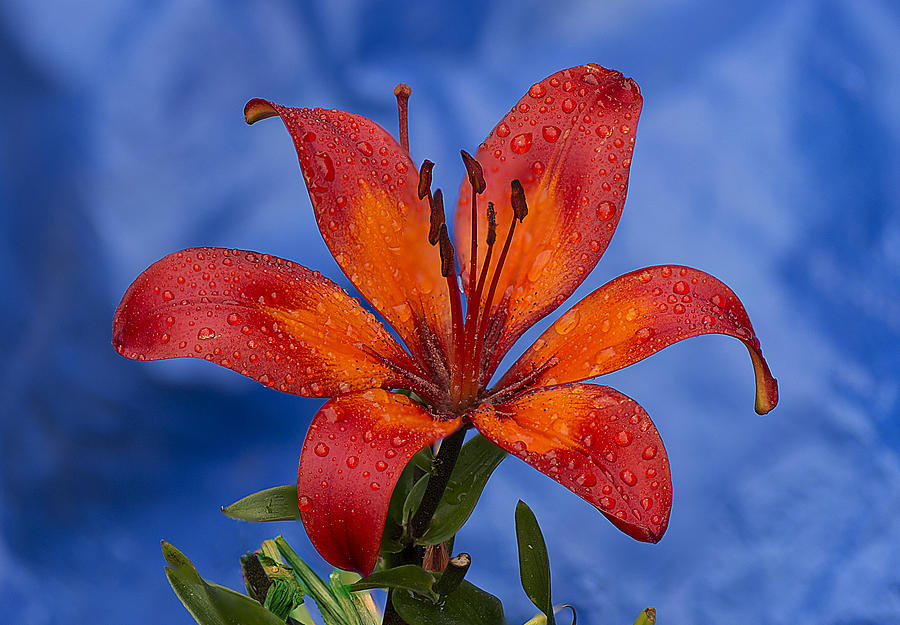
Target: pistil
(402, 92)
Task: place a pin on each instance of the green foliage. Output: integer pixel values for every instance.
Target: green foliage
(646, 617)
(467, 605)
(534, 564)
(211, 604)
(273, 504)
(406, 577)
(477, 460)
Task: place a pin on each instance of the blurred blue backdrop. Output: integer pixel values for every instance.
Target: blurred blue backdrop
(767, 154)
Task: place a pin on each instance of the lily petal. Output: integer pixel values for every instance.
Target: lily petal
(596, 442)
(354, 452)
(635, 316)
(267, 318)
(363, 188)
(569, 141)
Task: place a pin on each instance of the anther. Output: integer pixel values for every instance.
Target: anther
(425, 179)
(402, 92)
(474, 171)
(519, 206)
(448, 258)
(492, 224)
(437, 217)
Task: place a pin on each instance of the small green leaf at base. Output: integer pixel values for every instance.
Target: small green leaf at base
(534, 564)
(477, 460)
(406, 577)
(646, 617)
(467, 605)
(273, 504)
(211, 604)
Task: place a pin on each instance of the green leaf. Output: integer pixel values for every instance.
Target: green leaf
(273, 504)
(362, 600)
(414, 498)
(534, 565)
(407, 577)
(211, 604)
(467, 605)
(393, 526)
(477, 460)
(315, 586)
(646, 617)
(341, 592)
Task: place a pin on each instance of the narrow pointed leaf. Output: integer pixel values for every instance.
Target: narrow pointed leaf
(211, 604)
(414, 498)
(406, 577)
(315, 585)
(534, 565)
(467, 605)
(393, 525)
(341, 593)
(273, 504)
(646, 617)
(477, 461)
(361, 600)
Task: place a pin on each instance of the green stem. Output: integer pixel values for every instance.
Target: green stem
(443, 465)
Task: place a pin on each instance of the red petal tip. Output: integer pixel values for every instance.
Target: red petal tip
(257, 109)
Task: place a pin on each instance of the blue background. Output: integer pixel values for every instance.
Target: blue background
(767, 155)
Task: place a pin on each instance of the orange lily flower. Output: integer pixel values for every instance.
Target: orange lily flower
(562, 156)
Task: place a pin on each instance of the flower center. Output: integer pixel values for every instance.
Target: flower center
(466, 362)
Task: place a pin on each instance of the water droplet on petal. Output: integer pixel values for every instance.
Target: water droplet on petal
(623, 438)
(681, 287)
(502, 130)
(365, 147)
(321, 450)
(352, 461)
(550, 133)
(381, 465)
(304, 503)
(628, 477)
(649, 452)
(235, 319)
(586, 479)
(168, 295)
(606, 210)
(646, 503)
(607, 503)
(537, 90)
(521, 143)
(567, 322)
(206, 333)
(644, 334)
(374, 486)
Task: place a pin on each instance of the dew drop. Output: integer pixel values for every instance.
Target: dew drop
(586, 479)
(651, 472)
(170, 321)
(607, 503)
(540, 262)
(646, 503)
(321, 450)
(168, 295)
(365, 147)
(381, 465)
(550, 133)
(352, 461)
(568, 105)
(521, 143)
(649, 452)
(628, 477)
(643, 335)
(606, 210)
(681, 287)
(502, 130)
(567, 322)
(304, 503)
(374, 486)
(623, 438)
(206, 333)
(537, 90)
(235, 319)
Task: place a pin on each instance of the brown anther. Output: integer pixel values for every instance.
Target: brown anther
(437, 217)
(492, 224)
(425, 178)
(448, 259)
(474, 171)
(519, 206)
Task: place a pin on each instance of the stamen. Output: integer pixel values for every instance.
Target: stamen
(474, 171)
(425, 178)
(438, 219)
(403, 91)
(476, 180)
(520, 209)
(519, 206)
(448, 258)
(448, 270)
(492, 224)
